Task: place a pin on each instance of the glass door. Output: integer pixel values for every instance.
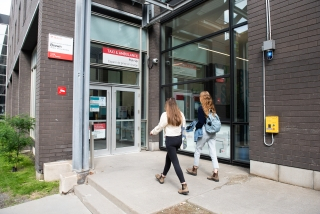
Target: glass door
(115, 112)
(100, 115)
(126, 120)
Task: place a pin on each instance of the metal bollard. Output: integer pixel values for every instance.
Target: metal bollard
(91, 145)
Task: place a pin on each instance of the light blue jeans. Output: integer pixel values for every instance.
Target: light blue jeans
(211, 140)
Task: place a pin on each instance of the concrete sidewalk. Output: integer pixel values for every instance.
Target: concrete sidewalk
(127, 184)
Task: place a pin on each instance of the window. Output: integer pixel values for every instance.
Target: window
(201, 50)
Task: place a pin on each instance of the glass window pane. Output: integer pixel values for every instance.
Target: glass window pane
(241, 141)
(2, 80)
(3, 69)
(113, 76)
(2, 99)
(202, 20)
(208, 58)
(116, 33)
(101, 114)
(222, 143)
(3, 49)
(3, 39)
(187, 96)
(144, 40)
(3, 29)
(3, 59)
(96, 53)
(239, 11)
(2, 89)
(241, 92)
(2, 109)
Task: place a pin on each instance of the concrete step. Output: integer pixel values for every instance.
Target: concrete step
(108, 195)
(95, 201)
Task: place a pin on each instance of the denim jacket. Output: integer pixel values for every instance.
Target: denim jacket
(197, 133)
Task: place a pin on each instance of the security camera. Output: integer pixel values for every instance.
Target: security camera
(155, 60)
(269, 54)
(168, 62)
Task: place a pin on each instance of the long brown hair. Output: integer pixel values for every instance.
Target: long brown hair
(207, 103)
(173, 112)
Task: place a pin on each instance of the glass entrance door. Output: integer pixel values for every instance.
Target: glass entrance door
(115, 112)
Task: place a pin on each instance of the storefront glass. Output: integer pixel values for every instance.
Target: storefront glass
(241, 94)
(212, 62)
(207, 18)
(241, 141)
(207, 58)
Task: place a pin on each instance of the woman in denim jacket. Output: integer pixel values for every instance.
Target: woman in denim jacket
(203, 112)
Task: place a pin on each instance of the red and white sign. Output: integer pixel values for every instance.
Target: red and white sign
(62, 90)
(99, 130)
(120, 57)
(60, 47)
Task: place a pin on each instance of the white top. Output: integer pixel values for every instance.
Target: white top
(169, 130)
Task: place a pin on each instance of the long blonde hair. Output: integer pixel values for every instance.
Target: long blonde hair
(207, 103)
(173, 112)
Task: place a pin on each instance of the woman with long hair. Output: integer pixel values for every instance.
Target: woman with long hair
(172, 121)
(203, 112)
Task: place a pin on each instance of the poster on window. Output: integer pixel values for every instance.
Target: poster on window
(60, 47)
(113, 56)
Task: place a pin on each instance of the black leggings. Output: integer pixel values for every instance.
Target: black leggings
(173, 144)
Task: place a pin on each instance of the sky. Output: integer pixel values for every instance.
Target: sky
(5, 7)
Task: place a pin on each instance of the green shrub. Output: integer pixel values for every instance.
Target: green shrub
(14, 137)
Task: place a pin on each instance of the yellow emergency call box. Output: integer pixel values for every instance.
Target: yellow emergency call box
(272, 124)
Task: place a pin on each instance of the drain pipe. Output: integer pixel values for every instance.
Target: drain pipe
(264, 102)
(264, 73)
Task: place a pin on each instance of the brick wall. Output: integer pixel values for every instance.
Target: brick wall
(154, 82)
(24, 82)
(292, 82)
(15, 93)
(53, 112)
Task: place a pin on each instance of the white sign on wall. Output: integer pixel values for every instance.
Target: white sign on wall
(120, 57)
(60, 47)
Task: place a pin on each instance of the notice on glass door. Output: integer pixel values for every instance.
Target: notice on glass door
(94, 104)
(99, 131)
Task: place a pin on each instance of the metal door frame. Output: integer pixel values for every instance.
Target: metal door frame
(111, 121)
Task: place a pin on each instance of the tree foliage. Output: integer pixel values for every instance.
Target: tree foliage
(15, 136)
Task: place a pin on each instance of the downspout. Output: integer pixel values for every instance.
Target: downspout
(264, 74)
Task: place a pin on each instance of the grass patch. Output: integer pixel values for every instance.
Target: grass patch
(18, 187)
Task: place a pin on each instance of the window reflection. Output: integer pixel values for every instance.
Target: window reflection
(202, 20)
(241, 139)
(187, 97)
(241, 74)
(240, 11)
(207, 58)
(113, 76)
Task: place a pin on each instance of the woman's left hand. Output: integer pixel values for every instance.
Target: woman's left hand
(151, 133)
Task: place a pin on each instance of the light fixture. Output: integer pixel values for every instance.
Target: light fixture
(221, 53)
